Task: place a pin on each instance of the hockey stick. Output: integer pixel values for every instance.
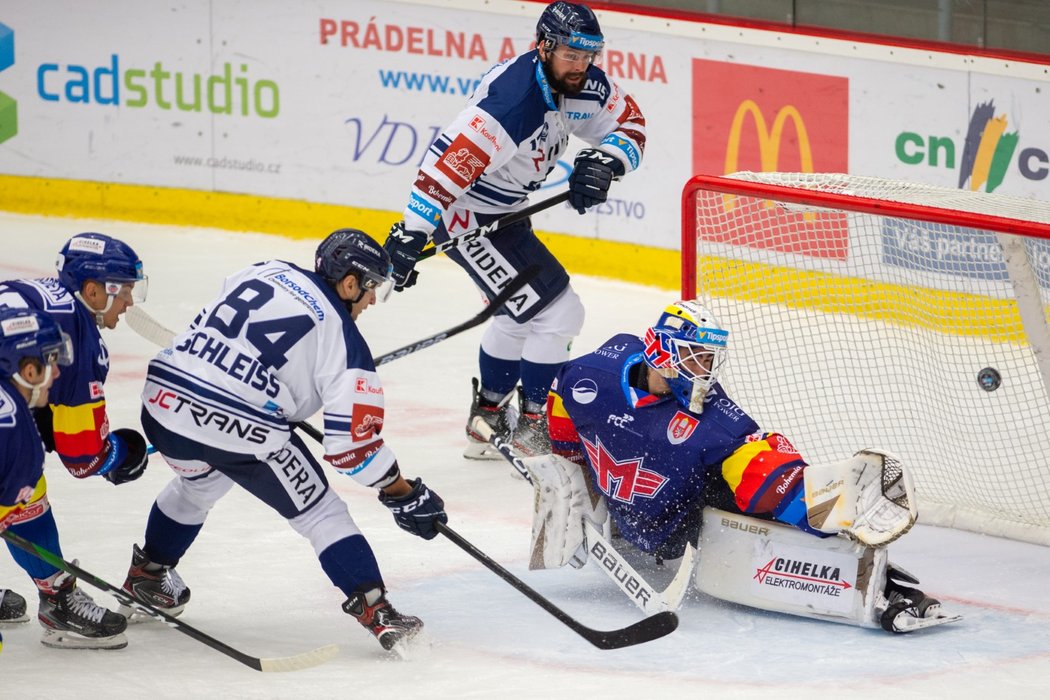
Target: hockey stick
(648, 599)
(279, 663)
(653, 627)
(512, 288)
(645, 630)
(152, 330)
(492, 227)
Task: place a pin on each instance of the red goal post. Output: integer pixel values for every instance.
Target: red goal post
(866, 312)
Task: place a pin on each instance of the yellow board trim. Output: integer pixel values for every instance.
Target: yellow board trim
(952, 313)
(297, 219)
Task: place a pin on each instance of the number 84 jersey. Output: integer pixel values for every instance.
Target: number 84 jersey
(276, 346)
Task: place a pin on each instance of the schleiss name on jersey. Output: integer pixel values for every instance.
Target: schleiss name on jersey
(244, 368)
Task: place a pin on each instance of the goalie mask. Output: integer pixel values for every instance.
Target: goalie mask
(687, 347)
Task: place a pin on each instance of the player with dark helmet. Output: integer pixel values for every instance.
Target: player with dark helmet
(32, 349)
(279, 344)
(501, 147)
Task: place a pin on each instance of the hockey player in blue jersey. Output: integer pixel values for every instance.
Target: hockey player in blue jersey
(97, 279)
(32, 347)
(658, 439)
(277, 345)
(495, 153)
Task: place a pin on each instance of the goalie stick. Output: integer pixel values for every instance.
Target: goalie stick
(648, 599)
(278, 663)
(152, 330)
(645, 630)
(490, 228)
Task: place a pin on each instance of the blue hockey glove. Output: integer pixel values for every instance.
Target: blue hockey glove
(128, 450)
(404, 247)
(417, 510)
(592, 173)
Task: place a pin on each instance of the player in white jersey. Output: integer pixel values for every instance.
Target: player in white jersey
(277, 345)
(496, 152)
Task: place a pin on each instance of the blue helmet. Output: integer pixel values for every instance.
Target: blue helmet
(571, 24)
(687, 347)
(100, 258)
(28, 333)
(352, 252)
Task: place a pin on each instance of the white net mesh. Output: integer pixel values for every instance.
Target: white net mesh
(851, 329)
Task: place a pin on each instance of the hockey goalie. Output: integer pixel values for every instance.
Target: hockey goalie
(647, 444)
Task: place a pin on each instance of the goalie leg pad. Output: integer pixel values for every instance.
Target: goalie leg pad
(772, 566)
(561, 503)
(868, 498)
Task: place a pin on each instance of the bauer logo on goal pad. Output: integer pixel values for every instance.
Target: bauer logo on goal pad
(769, 120)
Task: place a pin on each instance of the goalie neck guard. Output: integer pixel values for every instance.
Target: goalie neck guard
(687, 347)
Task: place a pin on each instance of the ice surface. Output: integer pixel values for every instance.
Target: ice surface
(258, 587)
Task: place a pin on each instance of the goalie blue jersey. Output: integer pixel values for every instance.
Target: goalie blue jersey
(651, 458)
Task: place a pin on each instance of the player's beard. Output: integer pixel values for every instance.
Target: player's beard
(570, 85)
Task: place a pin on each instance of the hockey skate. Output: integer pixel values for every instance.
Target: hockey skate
(156, 584)
(530, 437)
(12, 608)
(381, 619)
(495, 415)
(903, 609)
(72, 620)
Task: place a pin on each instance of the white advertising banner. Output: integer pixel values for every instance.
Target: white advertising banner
(336, 102)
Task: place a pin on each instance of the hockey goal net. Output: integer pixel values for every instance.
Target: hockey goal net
(871, 313)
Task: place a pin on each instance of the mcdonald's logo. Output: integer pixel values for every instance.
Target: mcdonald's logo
(766, 119)
(769, 140)
(754, 118)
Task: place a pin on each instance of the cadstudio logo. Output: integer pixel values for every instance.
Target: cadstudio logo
(8, 106)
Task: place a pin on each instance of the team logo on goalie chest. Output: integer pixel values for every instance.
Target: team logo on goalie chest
(681, 428)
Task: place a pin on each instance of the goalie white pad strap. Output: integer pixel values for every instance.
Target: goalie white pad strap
(562, 502)
(771, 566)
(869, 498)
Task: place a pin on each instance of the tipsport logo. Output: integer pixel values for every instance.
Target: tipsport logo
(8, 106)
(986, 156)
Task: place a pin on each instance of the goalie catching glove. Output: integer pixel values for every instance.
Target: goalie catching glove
(592, 173)
(868, 498)
(417, 510)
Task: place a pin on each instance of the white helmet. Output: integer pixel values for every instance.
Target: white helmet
(688, 347)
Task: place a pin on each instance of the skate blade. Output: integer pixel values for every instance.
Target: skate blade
(64, 639)
(912, 624)
(482, 451)
(135, 616)
(12, 621)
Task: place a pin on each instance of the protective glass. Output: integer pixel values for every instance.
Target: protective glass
(382, 286)
(570, 55)
(134, 292)
(58, 353)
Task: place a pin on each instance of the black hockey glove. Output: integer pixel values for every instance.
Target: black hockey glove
(404, 247)
(128, 449)
(592, 173)
(417, 510)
